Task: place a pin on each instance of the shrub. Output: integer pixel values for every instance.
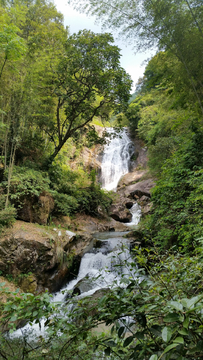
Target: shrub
(7, 216)
(64, 204)
(27, 182)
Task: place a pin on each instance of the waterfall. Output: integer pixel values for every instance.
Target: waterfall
(100, 268)
(115, 164)
(104, 266)
(116, 158)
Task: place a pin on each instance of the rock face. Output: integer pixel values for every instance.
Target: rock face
(36, 209)
(131, 178)
(85, 224)
(91, 157)
(140, 155)
(41, 259)
(128, 195)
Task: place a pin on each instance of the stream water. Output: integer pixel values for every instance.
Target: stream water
(97, 269)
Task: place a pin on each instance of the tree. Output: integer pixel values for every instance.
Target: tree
(87, 82)
(29, 48)
(174, 26)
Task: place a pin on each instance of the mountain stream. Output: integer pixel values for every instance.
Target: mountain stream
(97, 269)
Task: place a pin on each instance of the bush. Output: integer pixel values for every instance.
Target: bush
(27, 182)
(64, 204)
(177, 213)
(7, 216)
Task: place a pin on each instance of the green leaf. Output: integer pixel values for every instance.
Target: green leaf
(140, 335)
(128, 340)
(190, 302)
(153, 357)
(13, 318)
(110, 343)
(120, 331)
(168, 348)
(186, 322)
(183, 332)
(156, 330)
(178, 306)
(107, 351)
(179, 340)
(166, 334)
(171, 317)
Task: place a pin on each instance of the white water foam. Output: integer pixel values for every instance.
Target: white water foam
(116, 158)
(136, 215)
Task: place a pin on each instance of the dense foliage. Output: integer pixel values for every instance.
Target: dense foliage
(170, 124)
(53, 86)
(156, 311)
(153, 317)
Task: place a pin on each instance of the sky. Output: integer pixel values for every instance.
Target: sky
(131, 62)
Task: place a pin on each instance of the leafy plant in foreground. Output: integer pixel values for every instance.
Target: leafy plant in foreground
(153, 317)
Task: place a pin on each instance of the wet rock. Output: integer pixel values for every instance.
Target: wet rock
(28, 283)
(89, 225)
(129, 204)
(120, 213)
(84, 285)
(70, 236)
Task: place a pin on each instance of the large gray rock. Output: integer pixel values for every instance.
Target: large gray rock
(139, 189)
(120, 213)
(131, 177)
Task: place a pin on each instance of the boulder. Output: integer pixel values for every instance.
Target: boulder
(120, 213)
(36, 209)
(131, 177)
(139, 189)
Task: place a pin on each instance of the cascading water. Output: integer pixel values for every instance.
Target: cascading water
(99, 267)
(115, 164)
(116, 158)
(136, 215)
